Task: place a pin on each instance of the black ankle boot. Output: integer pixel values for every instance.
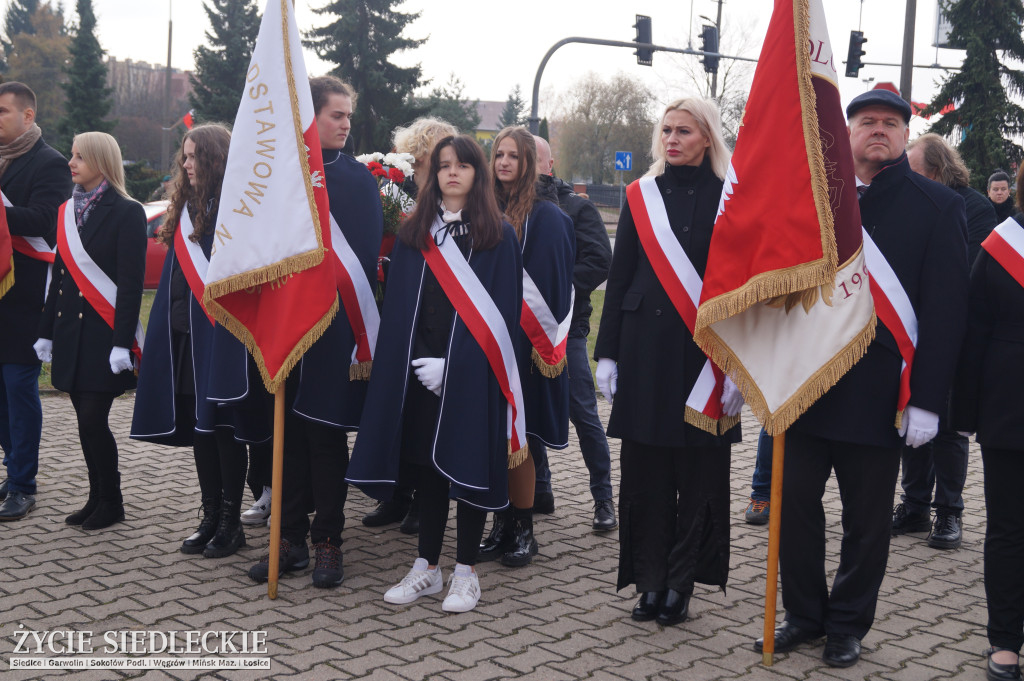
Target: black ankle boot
(524, 546)
(110, 506)
(78, 517)
(229, 537)
(500, 540)
(207, 527)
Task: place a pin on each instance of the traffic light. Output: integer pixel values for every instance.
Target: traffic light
(853, 62)
(644, 56)
(709, 43)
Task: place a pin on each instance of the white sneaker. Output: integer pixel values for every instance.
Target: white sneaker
(419, 582)
(464, 590)
(260, 511)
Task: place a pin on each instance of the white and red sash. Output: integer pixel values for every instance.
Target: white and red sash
(894, 309)
(481, 316)
(34, 247)
(194, 263)
(98, 289)
(547, 335)
(1006, 244)
(682, 283)
(358, 300)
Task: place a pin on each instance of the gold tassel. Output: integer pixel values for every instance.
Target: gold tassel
(268, 274)
(360, 371)
(899, 419)
(7, 282)
(516, 458)
(548, 370)
(239, 331)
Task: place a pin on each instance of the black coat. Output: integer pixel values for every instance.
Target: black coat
(641, 330)
(114, 235)
(920, 228)
(981, 220)
(987, 397)
(593, 248)
(36, 183)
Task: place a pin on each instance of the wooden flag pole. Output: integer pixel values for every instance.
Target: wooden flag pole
(774, 524)
(275, 493)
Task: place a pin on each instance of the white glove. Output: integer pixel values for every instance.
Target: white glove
(607, 376)
(919, 425)
(44, 349)
(964, 433)
(732, 398)
(430, 371)
(120, 360)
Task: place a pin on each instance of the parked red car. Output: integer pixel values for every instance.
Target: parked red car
(155, 251)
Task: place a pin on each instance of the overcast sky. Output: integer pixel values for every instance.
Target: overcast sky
(492, 46)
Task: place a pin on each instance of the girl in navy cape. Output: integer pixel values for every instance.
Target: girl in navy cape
(433, 400)
(549, 250)
(197, 385)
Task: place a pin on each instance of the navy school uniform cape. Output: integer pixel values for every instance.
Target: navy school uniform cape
(470, 438)
(228, 388)
(326, 394)
(549, 252)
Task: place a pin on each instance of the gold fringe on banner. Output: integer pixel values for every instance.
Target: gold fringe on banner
(239, 331)
(899, 419)
(516, 458)
(548, 370)
(263, 276)
(7, 282)
(360, 371)
(708, 424)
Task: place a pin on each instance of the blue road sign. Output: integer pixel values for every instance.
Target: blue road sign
(623, 160)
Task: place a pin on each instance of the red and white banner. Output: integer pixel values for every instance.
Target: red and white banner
(683, 284)
(193, 262)
(269, 282)
(547, 334)
(34, 247)
(98, 289)
(1006, 244)
(786, 307)
(481, 316)
(358, 300)
(6, 251)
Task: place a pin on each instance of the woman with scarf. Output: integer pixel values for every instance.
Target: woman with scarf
(198, 386)
(674, 487)
(548, 243)
(91, 315)
(444, 394)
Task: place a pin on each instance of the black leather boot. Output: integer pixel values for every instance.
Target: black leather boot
(79, 516)
(524, 546)
(110, 508)
(499, 540)
(229, 537)
(207, 527)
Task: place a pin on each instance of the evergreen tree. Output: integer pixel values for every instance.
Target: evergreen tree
(38, 59)
(219, 77)
(361, 39)
(17, 20)
(447, 103)
(985, 118)
(88, 97)
(514, 112)
(542, 129)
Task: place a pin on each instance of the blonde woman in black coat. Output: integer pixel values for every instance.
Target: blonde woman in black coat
(674, 486)
(88, 328)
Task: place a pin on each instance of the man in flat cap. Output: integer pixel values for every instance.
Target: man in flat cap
(859, 426)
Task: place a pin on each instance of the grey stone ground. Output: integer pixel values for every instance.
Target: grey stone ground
(559, 618)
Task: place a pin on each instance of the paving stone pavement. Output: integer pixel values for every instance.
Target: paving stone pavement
(558, 618)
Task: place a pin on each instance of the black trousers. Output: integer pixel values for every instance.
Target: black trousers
(261, 462)
(98, 444)
(221, 461)
(1004, 547)
(867, 478)
(941, 464)
(315, 463)
(434, 502)
(674, 516)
